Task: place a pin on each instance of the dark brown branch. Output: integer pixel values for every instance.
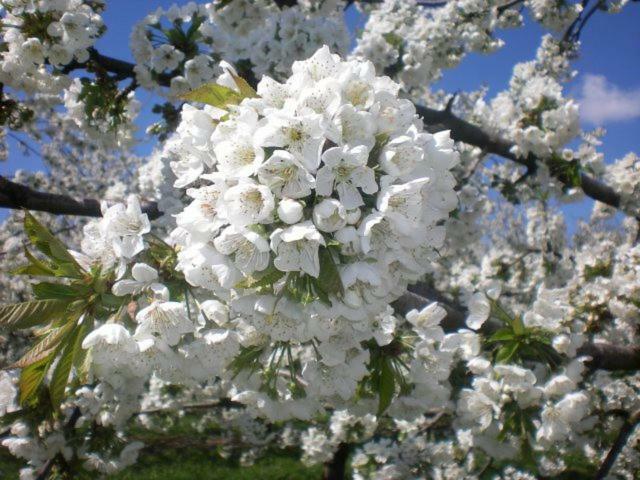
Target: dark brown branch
(222, 403)
(336, 467)
(120, 68)
(629, 425)
(508, 5)
(465, 132)
(14, 195)
(608, 356)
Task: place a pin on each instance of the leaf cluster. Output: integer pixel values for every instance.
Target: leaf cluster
(63, 312)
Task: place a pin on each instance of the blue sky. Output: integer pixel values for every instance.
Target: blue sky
(610, 48)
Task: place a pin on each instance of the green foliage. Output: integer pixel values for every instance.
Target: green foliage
(247, 359)
(30, 314)
(13, 114)
(264, 281)
(600, 269)
(515, 342)
(64, 311)
(386, 373)
(181, 464)
(104, 103)
(393, 39)
(220, 96)
(534, 116)
(381, 140)
(164, 258)
(182, 35)
(189, 463)
(329, 280)
(60, 262)
(67, 359)
(246, 90)
(568, 172)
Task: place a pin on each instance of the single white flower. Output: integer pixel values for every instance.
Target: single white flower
(286, 176)
(345, 169)
(248, 203)
(166, 320)
(479, 310)
(144, 277)
(297, 248)
(250, 251)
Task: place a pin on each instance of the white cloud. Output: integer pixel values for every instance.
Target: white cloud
(603, 102)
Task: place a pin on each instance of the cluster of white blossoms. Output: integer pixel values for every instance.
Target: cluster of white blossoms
(257, 37)
(414, 43)
(533, 112)
(625, 175)
(42, 32)
(116, 238)
(318, 202)
(552, 14)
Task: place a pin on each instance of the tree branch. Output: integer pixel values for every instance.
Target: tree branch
(336, 467)
(609, 356)
(14, 195)
(625, 432)
(465, 132)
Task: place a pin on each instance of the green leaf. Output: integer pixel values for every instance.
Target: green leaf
(270, 276)
(329, 279)
(32, 376)
(247, 358)
(60, 376)
(246, 90)
(35, 267)
(518, 325)
(44, 347)
(386, 385)
(501, 335)
(505, 353)
(221, 4)
(30, 314)
(393, 39)
(58, 291)
(213, 94)
(64, 264)
(381, 140)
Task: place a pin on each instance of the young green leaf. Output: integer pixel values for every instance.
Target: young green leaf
(386, 385)
(506, 352)
(44, 347)
(502, 335)
(246, 90)
(213, 94)
(60, 376)
(63, 263)
(58, 291)
(29, 314)
(329, 279)
(36, 267)
(32, 376)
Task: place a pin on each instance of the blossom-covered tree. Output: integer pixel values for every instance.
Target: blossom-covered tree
(318, 255)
